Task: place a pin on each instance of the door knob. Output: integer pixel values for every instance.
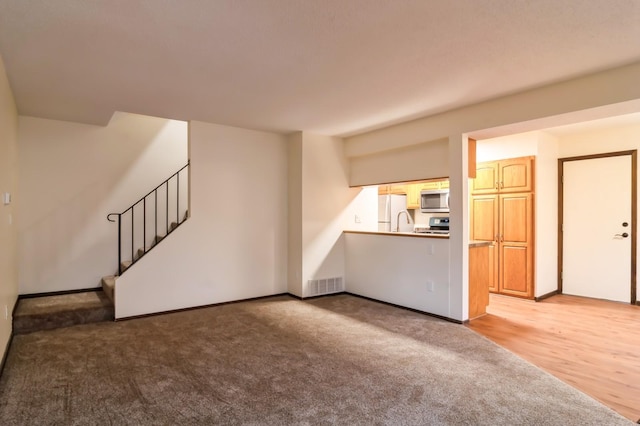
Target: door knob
(623, 235)
(625, 224)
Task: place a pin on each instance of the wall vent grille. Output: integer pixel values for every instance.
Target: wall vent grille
(325, 286)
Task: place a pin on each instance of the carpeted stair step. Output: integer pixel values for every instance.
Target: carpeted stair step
(109, 286)
(139, 254)
(125, 265)
(51, 312)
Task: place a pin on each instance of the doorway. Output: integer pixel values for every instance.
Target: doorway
(597, 226)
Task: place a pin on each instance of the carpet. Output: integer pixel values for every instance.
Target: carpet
(279, 361)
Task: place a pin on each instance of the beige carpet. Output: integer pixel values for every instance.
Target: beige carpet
(278, 361)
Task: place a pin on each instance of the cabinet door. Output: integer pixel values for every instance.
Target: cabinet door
(516, 175)
(430, 185)
(444, 184)
(486, 180)
(516, 244)
(484, 227)
(398, 189)
(479, 266)
(413, 196)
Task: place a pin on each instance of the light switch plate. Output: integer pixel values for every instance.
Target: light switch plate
(6, 198)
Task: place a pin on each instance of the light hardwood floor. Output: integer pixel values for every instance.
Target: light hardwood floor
(593, 345)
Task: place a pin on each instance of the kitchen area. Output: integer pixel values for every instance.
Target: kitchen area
(406, 260)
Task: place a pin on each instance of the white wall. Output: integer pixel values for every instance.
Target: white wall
(546, 215)
(598, 141)
(234, 246)
(512, 146)
(319, 179)
(294, 237)
(572, 101)
(399, 269)
(71, 176)
(8, 217)
(427, 160)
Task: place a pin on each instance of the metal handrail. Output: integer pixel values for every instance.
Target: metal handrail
(143, 200)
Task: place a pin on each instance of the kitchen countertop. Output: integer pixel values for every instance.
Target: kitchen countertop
(474, 243)
(400, 234)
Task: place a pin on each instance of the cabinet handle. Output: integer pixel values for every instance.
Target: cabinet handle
(501, 238)
(497, 185)
(501, 184)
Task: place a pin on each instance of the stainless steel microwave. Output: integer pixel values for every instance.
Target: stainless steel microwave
(434, 201)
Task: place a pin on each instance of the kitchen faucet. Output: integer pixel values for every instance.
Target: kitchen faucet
(398, 219)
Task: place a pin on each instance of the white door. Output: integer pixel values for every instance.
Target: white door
(596, 204)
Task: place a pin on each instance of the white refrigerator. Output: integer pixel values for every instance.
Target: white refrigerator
(390, 209)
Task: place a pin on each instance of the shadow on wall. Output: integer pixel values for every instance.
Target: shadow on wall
(71, 176)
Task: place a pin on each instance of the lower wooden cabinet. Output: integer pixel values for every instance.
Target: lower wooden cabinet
(507, 220)
(479, 269)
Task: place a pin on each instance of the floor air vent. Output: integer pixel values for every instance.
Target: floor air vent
(325, 286)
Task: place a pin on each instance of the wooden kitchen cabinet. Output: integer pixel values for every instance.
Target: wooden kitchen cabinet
(486, 180)
(510, 175)
(507, 220)
(398, 189)
(413, 196)
(484, 227)
(392, 189)
(479, 266)
(516, 244)
(430, 185)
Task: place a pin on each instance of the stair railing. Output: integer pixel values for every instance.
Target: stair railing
(162, 200)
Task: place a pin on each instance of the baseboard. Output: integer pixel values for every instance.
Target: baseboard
(318, 295)
(408, 309)
(211, 305)
(6, 353)
(58, 293)
(546, 296)
(294, 297)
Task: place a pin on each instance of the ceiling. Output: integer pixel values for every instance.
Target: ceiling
(333, 67)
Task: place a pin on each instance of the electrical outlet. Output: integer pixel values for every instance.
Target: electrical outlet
(431, 249)
(357, 219)
(430, 286)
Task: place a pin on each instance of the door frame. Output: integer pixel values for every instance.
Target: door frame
(634, 206)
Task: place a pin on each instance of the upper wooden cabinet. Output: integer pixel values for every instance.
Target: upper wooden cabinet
(413, 196)
(504, 176)
(392, 189)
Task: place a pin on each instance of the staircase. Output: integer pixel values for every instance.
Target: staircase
(154, 216)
